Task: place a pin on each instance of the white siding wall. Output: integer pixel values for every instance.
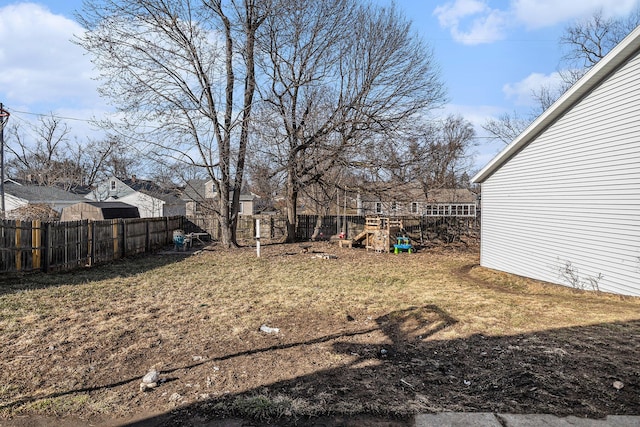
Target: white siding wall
(13, 202)
(573, 194)
(148, 207)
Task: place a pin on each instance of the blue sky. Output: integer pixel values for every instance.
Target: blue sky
(491, 53)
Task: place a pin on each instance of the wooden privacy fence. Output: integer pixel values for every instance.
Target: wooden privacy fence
(54, 246)
(422, 229)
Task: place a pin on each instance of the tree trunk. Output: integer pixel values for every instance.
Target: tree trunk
(292, 210)
(226, 233)
(249, 90)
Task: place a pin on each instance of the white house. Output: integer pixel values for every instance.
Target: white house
(149, 198)
(561, 203)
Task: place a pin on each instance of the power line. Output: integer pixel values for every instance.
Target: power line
(52, 115)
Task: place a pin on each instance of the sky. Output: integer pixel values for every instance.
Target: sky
(492, 54)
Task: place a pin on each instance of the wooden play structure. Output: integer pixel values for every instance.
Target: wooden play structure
(379, 233)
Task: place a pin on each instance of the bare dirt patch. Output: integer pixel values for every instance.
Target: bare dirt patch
(366, 337)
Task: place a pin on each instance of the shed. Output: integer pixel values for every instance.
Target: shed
(561, 203)
(99, 211)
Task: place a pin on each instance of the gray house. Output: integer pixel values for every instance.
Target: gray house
(20, 195)
(411, 199)
(199, 193)
(561, 203)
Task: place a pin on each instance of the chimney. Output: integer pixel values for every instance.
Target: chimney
(133, 178)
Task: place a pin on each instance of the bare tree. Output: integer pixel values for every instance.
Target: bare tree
(436, 157)
(337, 73)
(171, 68)
(586, 42)
(41, 153)
(506, 127)
(44, 155)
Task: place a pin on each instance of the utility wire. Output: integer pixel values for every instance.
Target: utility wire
(52, 115)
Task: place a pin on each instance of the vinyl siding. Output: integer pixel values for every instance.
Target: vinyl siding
(572, 195)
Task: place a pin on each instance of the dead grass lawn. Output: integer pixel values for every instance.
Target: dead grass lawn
(363, 333)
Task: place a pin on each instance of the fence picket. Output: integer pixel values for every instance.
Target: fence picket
(55, 246)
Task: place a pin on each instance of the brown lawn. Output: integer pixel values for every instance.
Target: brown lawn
(364, 334)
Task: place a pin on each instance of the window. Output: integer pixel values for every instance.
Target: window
(241, 208)
(378, 207)
(113, 185)
(394, 206)
(414, 207)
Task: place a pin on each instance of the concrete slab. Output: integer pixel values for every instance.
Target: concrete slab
(537, 420)
(623, 421)
(457, 419)
(485, 419)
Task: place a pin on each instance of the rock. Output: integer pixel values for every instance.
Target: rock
(151, 377)
(618, 385)
(175, 397)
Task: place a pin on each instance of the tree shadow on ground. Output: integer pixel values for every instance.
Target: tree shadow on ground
(567, 371)
(394, 368)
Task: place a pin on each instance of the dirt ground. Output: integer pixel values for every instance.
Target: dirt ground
(368, 370)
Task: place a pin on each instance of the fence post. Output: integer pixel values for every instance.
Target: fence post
(92, 238)
(18, 240)
(257, 237)
(147, 239)
(46, 247)
(36, 239)
(272, 231)
(123, 238)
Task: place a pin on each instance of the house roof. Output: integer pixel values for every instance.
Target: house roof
(596, 75)
(138, 184)
(414, 192)
(194, 190)
(110, 205)
(40, 194)
(152, 189)
(111, 210)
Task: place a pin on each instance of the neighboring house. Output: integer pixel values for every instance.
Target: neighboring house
(99, 211)
(18, 195)
(200, 193)
(149, 198)
(561, 203)
(410, 199)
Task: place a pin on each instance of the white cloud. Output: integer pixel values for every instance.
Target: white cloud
(40, 65)
(544, 13)
(522, 92)
(483, 24)
(474, 22)
(476, 114)
(450, 14)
